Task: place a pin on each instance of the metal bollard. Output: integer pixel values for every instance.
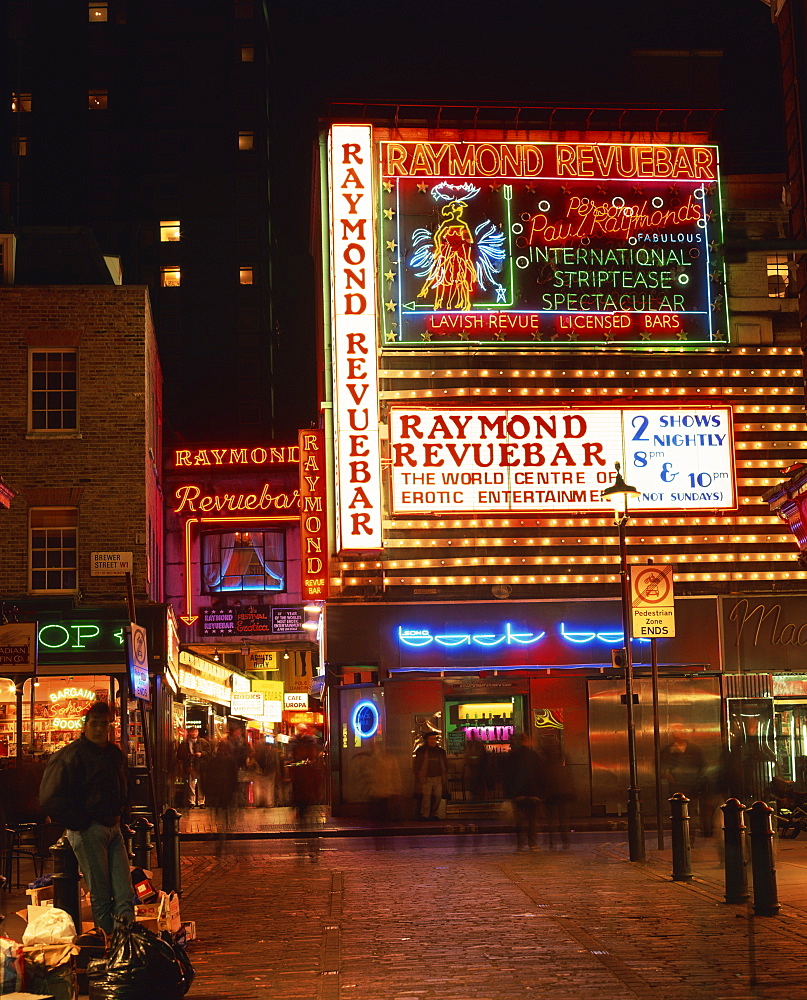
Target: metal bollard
(172, 873)
(66, 879)
(142, 843)
(734, 849)
(766, 899)
(681, 850)
(128, 840)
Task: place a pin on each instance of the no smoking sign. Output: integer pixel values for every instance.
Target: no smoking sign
(652, 602)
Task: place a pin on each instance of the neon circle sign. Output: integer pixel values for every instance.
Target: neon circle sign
(364, 720)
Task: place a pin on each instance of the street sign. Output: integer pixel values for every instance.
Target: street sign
(138, 661)
(652, 602)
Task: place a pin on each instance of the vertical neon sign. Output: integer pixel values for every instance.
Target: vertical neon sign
(313, 522)
(353, 310)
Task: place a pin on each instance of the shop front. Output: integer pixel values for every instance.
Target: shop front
(766, 650)
(479, 673)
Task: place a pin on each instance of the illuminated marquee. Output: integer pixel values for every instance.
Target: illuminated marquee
(187, 458)
(522, 459)
(550, 242)
(353, 324)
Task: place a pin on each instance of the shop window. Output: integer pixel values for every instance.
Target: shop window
(237, 561)
(169, 232)
(778, 276)
(247, 53)
(170, 277)
(246, 140)
(53, 549)
(245, 276)
(98, 12)
(19, 145)
(98, 100)
(20, 102)
(53, 390)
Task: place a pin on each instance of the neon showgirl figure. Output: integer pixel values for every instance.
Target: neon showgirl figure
(454, 260)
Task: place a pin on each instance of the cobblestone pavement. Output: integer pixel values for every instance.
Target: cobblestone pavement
(465, 917)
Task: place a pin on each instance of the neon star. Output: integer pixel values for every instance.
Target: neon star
(500, 293)
(392, 245)
(638, 190)
(389, 275)
(388, 213)
(495, 186)
(387, 185)
(423, 187)
(390, 306)
(426, 335)
(531, 188)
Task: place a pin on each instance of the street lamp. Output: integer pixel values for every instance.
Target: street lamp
(618, 493)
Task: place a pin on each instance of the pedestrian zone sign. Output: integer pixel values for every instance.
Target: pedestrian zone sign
(652, 602)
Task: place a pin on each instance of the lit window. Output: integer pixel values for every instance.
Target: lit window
(244, 560)
(247, 53)
(778, 276)
(53, 548)
(98, 100)
(54, 390)
(98, 12)
(20, 102)
(169, 232)
(19, 146)
(245, 275)
(246, 140)
(170, 277)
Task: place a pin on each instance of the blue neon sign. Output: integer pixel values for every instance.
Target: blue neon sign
(364, 720)
(421, 637)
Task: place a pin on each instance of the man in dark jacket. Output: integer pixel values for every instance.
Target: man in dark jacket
(524, 786)
(85, 787)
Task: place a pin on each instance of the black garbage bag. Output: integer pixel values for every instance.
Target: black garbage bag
(140, 964)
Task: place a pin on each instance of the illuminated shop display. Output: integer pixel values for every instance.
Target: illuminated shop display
(364, 719)
(530, 458)
(549, 243)
(353, 330)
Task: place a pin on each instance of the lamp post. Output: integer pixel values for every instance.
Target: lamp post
(619, 492)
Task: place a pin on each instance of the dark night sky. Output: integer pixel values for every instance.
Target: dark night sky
(508, 51)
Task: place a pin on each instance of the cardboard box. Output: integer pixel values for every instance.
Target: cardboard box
(189, 927)
(160, 916)
(39, 896)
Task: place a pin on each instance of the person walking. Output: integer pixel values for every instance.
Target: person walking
(222, 785)
(85, 787)
(524, 787)
(558, 792)
(430, 766)
(193, 754)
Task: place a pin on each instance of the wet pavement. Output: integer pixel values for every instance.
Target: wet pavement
(465, 916)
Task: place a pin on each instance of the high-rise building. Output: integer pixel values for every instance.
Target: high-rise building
(148, 123)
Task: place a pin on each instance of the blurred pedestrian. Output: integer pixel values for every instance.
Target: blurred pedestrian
(307, 775)
(683, 766)
(86, 788)
(558, 792)
(193, 754)
(265, 785)
(523, 786)
(475, 768)
(430, 767)
(222, 786)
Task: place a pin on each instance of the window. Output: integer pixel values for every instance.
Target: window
(98, 12)
(98, 100)
(778, 276)
(247, 53)
(19, 146)
(245, 275)
(53, 548)
(246, 140)
(53, 390)
(170, 277)
(169, 232)
(20, 102)
(244, 560)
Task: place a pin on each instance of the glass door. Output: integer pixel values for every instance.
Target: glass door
(791, 741)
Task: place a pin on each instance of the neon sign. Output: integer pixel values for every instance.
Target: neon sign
(419, 638)
(548, 242)
(422, 637)
(190, 500)
(489, 459)
(313, 522)
(77, 636)
(364, 719)
(273, 455)
(72, 692)
(353, 314)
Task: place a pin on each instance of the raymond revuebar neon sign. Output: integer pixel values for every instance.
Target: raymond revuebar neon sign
(549, 242)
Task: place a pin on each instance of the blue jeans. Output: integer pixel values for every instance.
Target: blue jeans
(104, 863)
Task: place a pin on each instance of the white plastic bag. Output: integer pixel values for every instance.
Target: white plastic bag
(51, 926)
